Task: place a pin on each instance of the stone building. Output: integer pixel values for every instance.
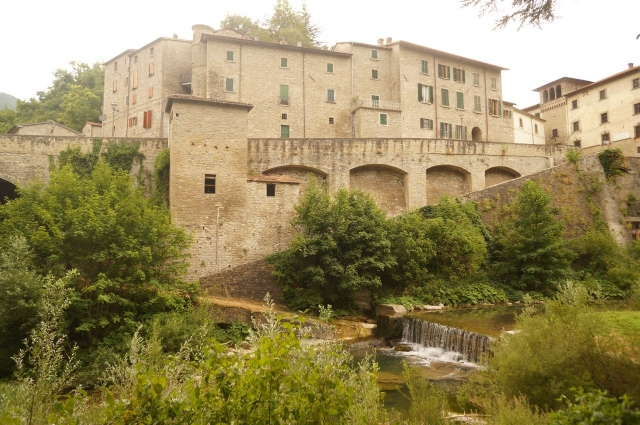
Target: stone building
(528, 128)
(47, 128)
(389, 89)
(92, 129)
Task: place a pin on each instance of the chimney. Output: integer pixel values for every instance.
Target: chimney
(380, 42)
(630, 65)
(389, 40)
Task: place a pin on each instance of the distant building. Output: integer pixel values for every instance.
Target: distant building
(92, 129)
(528, 128)
(47, 128)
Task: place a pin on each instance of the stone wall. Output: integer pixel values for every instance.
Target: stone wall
(250, 281)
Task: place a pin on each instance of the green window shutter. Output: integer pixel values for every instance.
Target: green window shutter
(331, 95)
(460, 100)
(230, 55)
(425, 67)
(420, 98)
(430, 94)
(284, 131)
(383, 119)
(284, 92)
(439, 71)
(445, 97)
(463, 76)
(229, 84)
(490, 106)
(448, 73)
(330, 68)
(500, 109)
(283, 62)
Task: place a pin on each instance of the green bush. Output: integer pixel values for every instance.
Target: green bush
(612, 160)
(596, 408)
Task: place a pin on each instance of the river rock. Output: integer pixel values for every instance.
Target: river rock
(433, 307)
(390, 310)
(403, 347)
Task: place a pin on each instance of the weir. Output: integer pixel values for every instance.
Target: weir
(470, 345)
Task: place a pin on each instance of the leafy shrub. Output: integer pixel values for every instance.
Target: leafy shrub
(612, 160)
(596, 408)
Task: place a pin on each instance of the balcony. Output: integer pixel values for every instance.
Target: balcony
(379, 104)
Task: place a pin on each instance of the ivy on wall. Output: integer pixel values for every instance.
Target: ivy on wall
(612, 161)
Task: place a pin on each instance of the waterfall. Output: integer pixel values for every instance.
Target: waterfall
(470, 345)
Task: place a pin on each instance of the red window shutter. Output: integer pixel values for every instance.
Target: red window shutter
(149, 115)
(144, 120)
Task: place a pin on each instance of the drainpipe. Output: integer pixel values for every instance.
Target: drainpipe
(304, 101)
(435, 93)
(486, 105)
(126, 119)
(240, 76)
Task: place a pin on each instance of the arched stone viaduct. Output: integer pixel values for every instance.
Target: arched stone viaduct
(401, 174)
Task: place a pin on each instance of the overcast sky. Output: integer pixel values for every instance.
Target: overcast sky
(591, 40)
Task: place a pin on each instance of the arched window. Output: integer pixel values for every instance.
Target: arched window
(552, 94)
(558, 91)
(545, 96)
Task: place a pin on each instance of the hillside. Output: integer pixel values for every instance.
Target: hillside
(7, 100)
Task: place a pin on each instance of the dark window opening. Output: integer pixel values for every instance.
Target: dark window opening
(209, 183)
(284, 116)
(7, 190)
(330, 120)
(577, 143)
(554, 133)
(271, 189)
(604, 118)
(637, 135)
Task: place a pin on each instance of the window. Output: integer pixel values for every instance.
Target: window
(577, 143)
(495, 107)
(283, 62)
(284, 95)
(284, 131)
(271, 189)
(228, 84)
(459, 100)
(520, 123)
(426, 123)
(506, 113)
(605, 138)
(604, 118)
(330, 68)
(115, 86)
(444, 97)
(445, 131)
(126, 81)
(576, 126)
(535, 128)
(146, 119)
(374, 74)
(461, 132)
(134, 83)
(133, 121)
(331, 95)
(375, 100)
(150, 92)
(374, 54)
(151, 51)
(383, 119)
(552, 93)
(134, 98)
(636, 108)
(330, 120)
(115, 66)
(424, 68)
(637, 134)
(494, 83)
(636, 83)
(151, 69)
(545, 96)
(209, 183)
(444, 71)
(425, 93)
(135, 59)
(574, 104)
(477, 103)
(603, 94)
(229, 55)
(554, 133)
(284, 116)
(558, 91)
(476, 79)
(537, 114)
(458, 75)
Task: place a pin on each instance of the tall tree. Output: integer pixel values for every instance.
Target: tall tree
(523, 12)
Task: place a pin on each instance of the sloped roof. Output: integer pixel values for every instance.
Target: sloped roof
(173, 97)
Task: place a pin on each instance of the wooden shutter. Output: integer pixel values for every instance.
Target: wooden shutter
(439, 71)
(463, 76)
(144, 119)
(151, 69)
(149, 118)
(150, 91)
(134, 99)
(135, 80)
(420, 97)
(430, 94)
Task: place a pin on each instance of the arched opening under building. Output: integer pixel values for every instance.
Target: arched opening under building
(497, 175)
(385, 184)
(7, 191)
(299, 172)
(552, 94)
(446, 180)
(558, 90)
(476, 134)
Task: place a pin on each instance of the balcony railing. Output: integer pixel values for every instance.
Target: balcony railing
(379, 104)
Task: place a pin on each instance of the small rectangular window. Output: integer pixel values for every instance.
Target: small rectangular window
(426, 123)
(425, 93)
(284, 94)
(603, 94)
(209, 183)
(576, 126)
(126, 81)
(444, 72)
(520, 123)
(577, 143)
(115, 86)
(151, 51)
(283, 62)
(151, 69)
(150, 92)
(374, 74)
(494, 83)
(375, 101)
(444, 97)
(229, 55)
(146, 119)
(477, 103)
(330, 120)
(476, 79)
(461, 132)
(554, 133)
(458, 75)
(637, 134)
(535, 127)
(446, 131)
(574, 104)
(495, 107)
(537, 114)
(636, 83)
(506, 113)
(228, 84)
(284, 131)
(115, 66)
(271, 189)
(135, 59)
(374, 54)
(636, 108)
(604, 118)
(424, 68)
(331, 95)
(134, 99)
(605, 138)
(459, 100)
(126, 100)
(134, 83)
(330, 68)
(284, 116)
(383, 119)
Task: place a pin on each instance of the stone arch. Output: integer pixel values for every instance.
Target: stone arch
(497, 175)
(545, 96)
(385, 184)
(558, 90)
(298, 172)
(446, 180)
(476, 134)
(7, 188)
(552, 94)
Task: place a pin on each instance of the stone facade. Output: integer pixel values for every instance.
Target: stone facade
(47, 129)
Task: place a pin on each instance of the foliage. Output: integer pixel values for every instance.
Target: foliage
(523, 12)
(574, 155)
(20, 298)
(596, 408)
(8, 118)
(283, 24)
(74, 97)
(428, 403)
(342, 247)
(81, 163)
(122, 155)
(514, 411)
(612, 160)
(129, 257)
(160, 195)
(566, 346)
(530, 251)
